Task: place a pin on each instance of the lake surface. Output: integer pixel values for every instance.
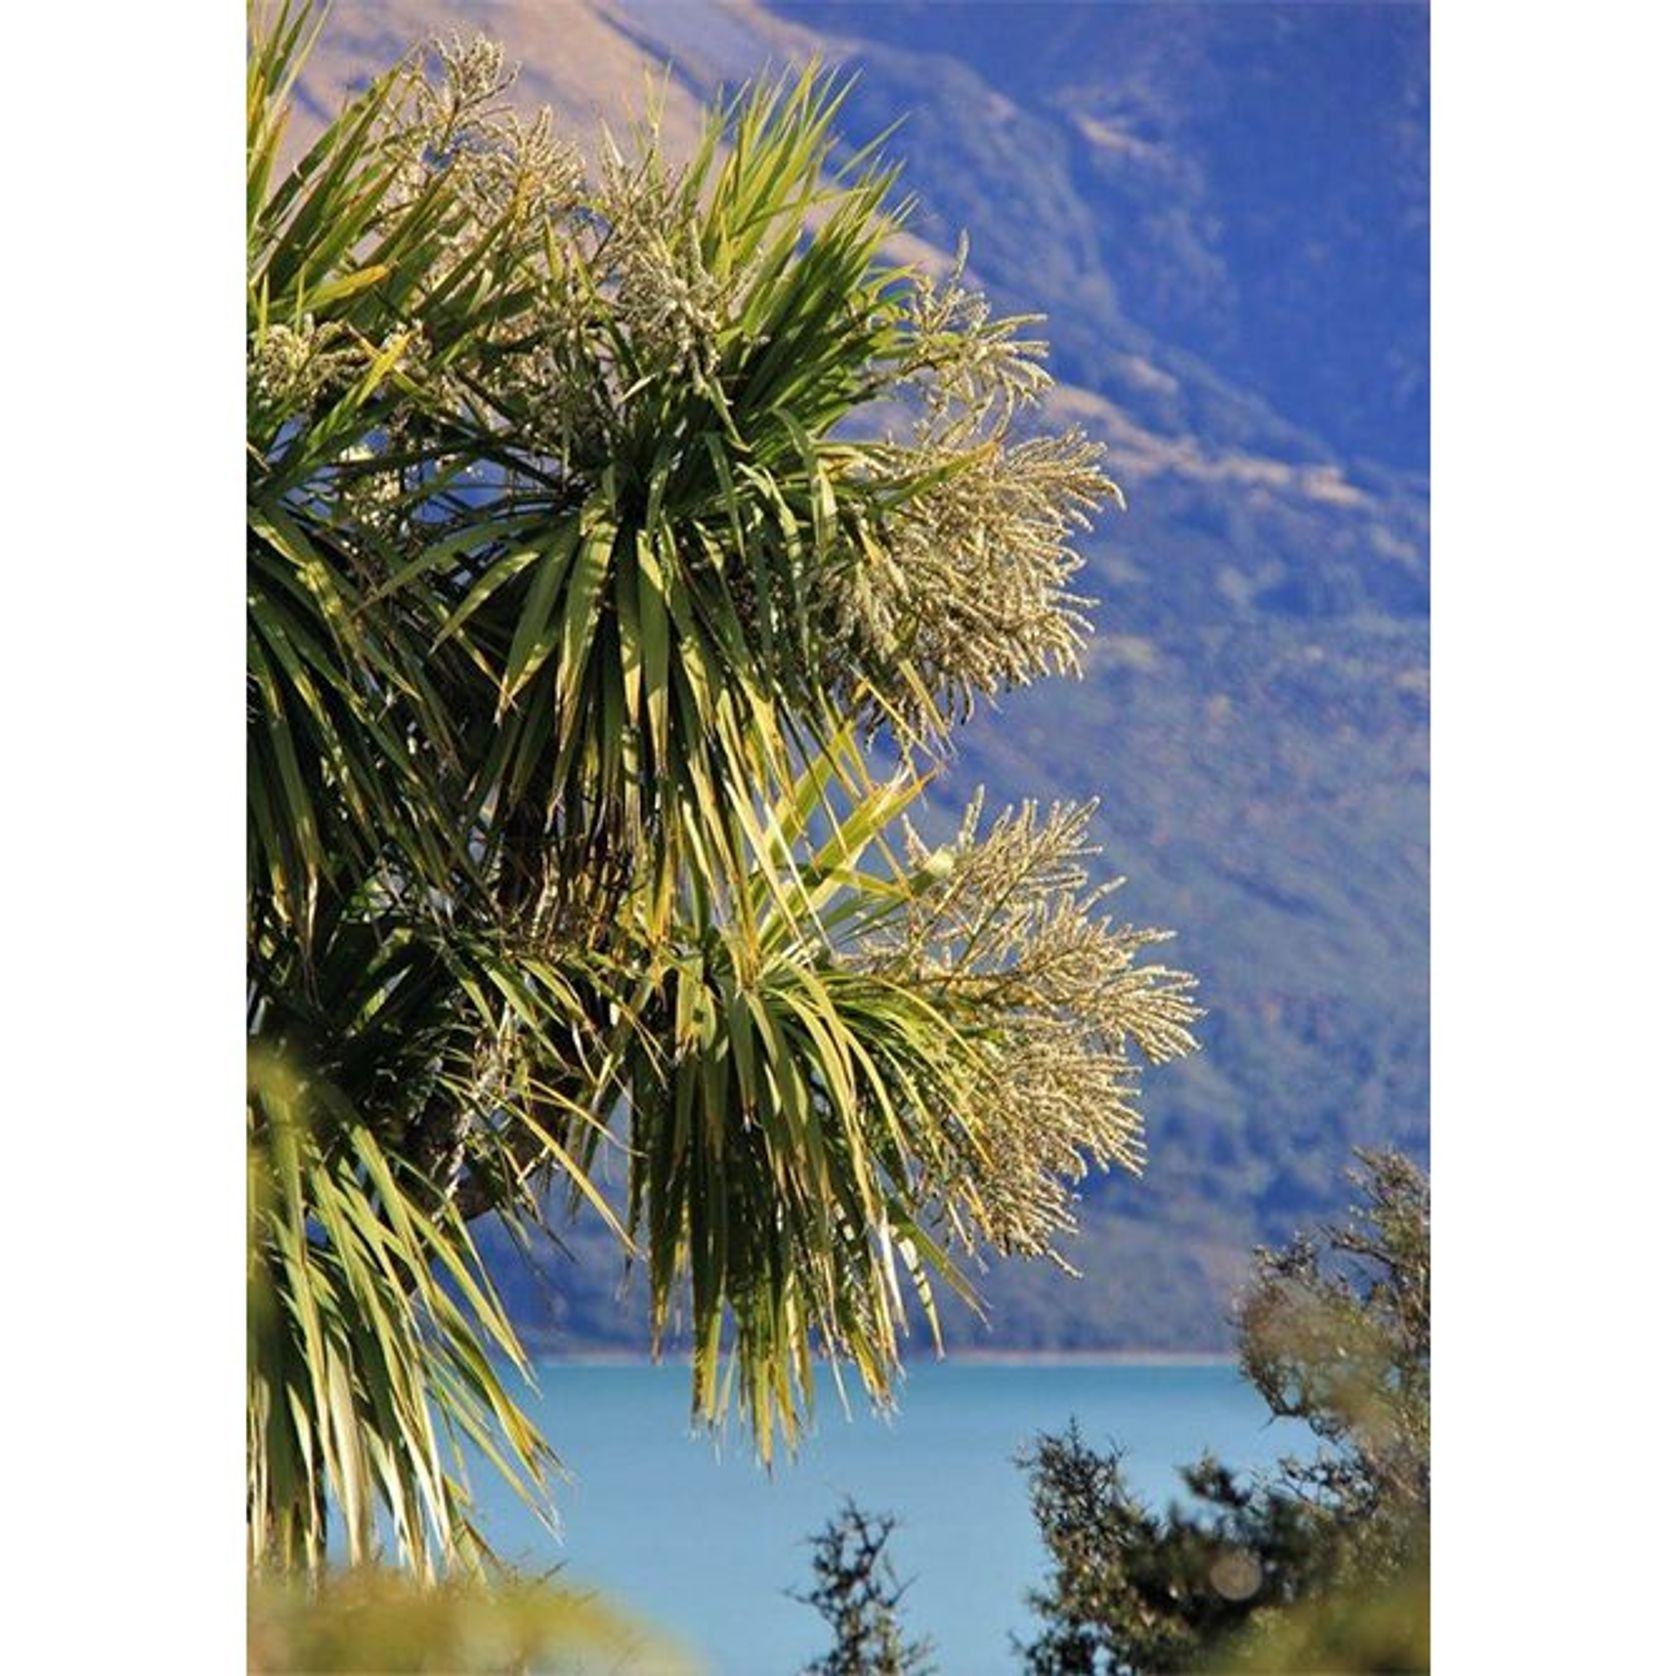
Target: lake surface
(700, 1542)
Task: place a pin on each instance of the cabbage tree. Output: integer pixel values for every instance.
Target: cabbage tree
(627, 540)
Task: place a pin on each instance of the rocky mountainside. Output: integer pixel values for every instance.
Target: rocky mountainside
(1222, 210)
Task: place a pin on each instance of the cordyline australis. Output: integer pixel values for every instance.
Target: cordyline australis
(608, 528)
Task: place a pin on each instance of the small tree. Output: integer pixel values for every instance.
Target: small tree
(1335, 1330)
(857, 1592)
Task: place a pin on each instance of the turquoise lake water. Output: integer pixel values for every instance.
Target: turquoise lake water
(702, 1544)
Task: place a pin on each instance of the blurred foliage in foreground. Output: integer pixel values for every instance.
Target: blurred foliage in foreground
(1324, 1566)
(375, 1620)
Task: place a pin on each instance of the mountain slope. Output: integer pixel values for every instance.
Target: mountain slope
(1222, 212)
